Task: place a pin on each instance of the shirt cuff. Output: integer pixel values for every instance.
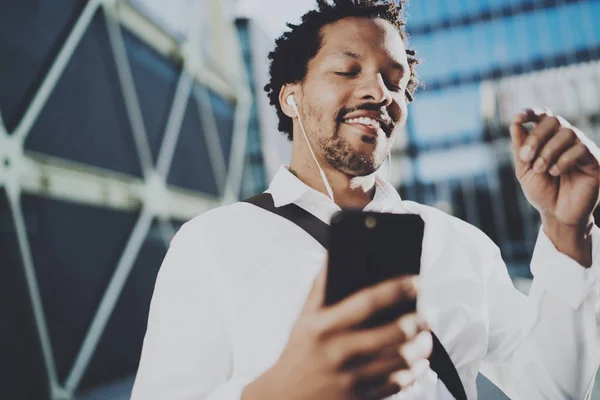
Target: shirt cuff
(562, 276)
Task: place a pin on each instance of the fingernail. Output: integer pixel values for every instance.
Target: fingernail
(411, 352)
(526, 153)
(420, 367)
(520, 116)
(412, 286)
(403, 378)
(554, 171)
(425, 341)
(539, 165)
(408, 325)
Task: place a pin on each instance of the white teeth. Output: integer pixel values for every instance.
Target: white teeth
(365, 121)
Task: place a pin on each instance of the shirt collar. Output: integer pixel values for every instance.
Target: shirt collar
(286, 188)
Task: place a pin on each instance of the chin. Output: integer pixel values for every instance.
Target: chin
(354, 156)
(359, 164)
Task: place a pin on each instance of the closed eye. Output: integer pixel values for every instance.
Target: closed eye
(349, 73)
(393, 87)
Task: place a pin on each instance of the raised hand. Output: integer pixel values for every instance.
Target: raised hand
(557, 171)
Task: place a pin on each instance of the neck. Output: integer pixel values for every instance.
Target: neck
(348, 191)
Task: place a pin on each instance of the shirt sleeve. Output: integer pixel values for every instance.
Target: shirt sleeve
(546, 345)
(187, 351)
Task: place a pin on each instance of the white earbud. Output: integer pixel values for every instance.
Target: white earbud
(292, 102)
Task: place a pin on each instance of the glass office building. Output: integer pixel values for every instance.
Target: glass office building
(118, 122)
(482, 62)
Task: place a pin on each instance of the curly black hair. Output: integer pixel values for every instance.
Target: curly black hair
(297, 46)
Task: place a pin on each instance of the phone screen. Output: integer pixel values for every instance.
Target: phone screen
(367, 248)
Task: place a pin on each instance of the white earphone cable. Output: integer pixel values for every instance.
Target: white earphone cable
(389, 178)
(292, 102)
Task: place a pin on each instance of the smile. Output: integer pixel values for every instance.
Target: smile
(366, 121)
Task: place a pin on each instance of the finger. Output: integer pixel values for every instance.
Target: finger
(577, 154)
(538, 137)
(370, 341)
(407, 377)
(518, 135)
(532, 114)
(358, 307)
(417, 349)
(383, 365)
(316, 296)
(556, 145)
(381, 390)
(380, 367)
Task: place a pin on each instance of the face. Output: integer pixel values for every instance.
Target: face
(352, 100)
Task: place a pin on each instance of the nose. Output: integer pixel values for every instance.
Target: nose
(374, 89)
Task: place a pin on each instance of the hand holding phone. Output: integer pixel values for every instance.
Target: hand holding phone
(358, 336)
(320, 358)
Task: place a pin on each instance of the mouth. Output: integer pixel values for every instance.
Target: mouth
(369, 121)
(365, 125)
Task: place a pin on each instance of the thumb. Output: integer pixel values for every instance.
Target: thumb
(316, 296)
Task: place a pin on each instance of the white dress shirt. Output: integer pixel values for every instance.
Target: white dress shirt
(235, 279)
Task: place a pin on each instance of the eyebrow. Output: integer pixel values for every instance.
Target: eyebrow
(350, 54)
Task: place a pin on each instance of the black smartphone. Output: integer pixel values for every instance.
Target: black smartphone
(367, 248)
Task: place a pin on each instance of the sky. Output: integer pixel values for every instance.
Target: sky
(273, 14)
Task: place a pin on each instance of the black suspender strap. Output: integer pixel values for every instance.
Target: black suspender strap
(316, 228)
(439, 360)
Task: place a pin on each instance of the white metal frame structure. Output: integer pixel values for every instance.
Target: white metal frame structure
(22, 171)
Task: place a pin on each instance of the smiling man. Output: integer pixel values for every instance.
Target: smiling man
(238, 311)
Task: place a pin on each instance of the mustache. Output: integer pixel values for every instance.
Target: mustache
(387, 124)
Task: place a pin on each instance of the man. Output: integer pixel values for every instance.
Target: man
(237, 312)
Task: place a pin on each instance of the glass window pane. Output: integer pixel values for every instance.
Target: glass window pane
(481, 51)
(21, 364)
(155, 79)
(174, 17)
(435, 11)
(32, 33)
(417, 13)
(457, 41)
(223, 111)
(552, 23)
(456, 115)
(85, 118)
(441, 165)
(572, 18)
(192, 168)
(591, 21)
(120, 346)
(424, 46)
(75, 250)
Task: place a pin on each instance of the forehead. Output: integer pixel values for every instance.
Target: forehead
(366, 36)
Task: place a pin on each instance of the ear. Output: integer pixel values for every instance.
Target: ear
(287, 90)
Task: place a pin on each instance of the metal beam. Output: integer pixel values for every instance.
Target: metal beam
(34, 292)
(211, 137)
(67, 180)
(56, 70)
(173, 128)
(237, 159)
(163, 43)
(132, 104)
(109, 300)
